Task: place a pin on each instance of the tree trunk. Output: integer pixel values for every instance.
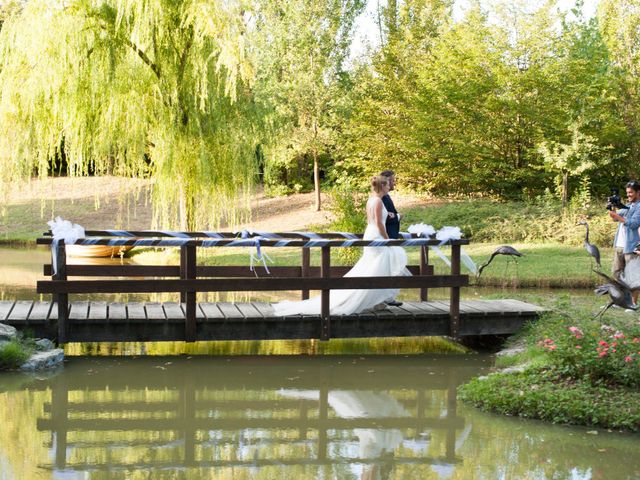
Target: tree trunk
(187, 215)
(316, 178)
(565, 190)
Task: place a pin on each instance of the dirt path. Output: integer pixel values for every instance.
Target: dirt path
(126, 203)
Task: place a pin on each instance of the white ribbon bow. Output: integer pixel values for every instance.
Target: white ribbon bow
(66, 231)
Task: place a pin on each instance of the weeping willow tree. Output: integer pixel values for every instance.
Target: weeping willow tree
(141, 88)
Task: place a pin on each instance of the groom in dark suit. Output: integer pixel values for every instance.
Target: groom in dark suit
(392, 224)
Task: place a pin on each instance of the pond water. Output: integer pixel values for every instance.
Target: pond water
(276, 417)
(345, 417)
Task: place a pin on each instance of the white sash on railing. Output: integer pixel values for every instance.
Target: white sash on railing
(65, 230)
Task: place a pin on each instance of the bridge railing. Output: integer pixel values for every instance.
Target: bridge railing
(190, 278)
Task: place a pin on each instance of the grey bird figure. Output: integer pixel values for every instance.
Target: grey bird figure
(619, 293)
(502, 250)
(590, 247)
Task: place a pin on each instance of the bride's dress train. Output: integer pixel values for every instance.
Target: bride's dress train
(374, 262)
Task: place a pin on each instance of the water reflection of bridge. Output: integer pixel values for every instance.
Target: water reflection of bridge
(237, 415)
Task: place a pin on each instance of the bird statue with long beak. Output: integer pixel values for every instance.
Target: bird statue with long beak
(502, 250)
(619, 292)
(590, 247)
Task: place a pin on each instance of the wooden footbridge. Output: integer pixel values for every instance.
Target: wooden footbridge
(189, 320)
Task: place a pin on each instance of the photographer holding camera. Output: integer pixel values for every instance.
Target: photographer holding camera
(627, 234)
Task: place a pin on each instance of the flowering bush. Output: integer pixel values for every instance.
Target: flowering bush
(600, 353)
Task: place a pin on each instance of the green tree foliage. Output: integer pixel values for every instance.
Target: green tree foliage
(196, 93)
(464, 105)
(302, 48)
(620, 25)
(135, 88)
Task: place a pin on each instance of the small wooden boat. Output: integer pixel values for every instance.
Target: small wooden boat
(101, 251)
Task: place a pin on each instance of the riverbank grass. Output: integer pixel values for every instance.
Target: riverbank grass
(573, 370)
(13, 354)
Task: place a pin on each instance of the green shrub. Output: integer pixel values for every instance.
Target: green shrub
(517, 222)
(544, 394)
(348, 214)
(597, 353)
(12, 355)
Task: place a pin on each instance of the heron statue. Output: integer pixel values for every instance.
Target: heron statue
(619, 292)
(590, 247)
(502, 250)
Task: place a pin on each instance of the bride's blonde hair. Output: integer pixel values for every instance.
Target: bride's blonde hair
(377, 183)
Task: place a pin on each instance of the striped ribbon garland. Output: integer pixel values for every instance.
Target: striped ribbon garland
(247, 242)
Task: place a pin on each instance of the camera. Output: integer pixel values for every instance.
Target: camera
(614, 201)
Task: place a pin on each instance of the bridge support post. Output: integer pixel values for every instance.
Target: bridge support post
(325, 316)
(306, 263)
(454, 301)
(62, 299)
(188, 265)
(424, 262)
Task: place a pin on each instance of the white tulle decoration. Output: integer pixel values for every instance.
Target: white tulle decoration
(448, 233)
(454, 233)
(65, 230)
(421, 229)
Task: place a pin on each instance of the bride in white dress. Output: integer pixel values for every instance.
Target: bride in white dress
(374, 262)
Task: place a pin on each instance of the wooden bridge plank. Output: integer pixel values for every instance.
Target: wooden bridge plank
(5, 309)
(40, 311)
(211, 310)
(412, 309)
(79, 311)
(431, 308)
(229, 310)
(154, 311)
(265, 309)
(53, 314)
(135, 311)
(117, 311)
(248, 310)
(173, 311)
(472, 307)
(371, 312)
(98, 310)
(498, 307)
(518, 305)
(20, 311)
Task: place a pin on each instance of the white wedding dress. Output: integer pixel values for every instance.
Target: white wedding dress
(374, 262)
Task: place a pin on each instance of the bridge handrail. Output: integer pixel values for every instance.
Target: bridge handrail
(213, 234)
(255, 241)
(188, 284)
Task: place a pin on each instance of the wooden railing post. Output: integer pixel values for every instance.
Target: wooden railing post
(325, 314)
(183, 270)
(306, 263)
(424, 263)
(190, 297)
(62, 298)
(454, 301)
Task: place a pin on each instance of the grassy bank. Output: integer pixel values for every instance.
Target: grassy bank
(14, 353)
(572, 370)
